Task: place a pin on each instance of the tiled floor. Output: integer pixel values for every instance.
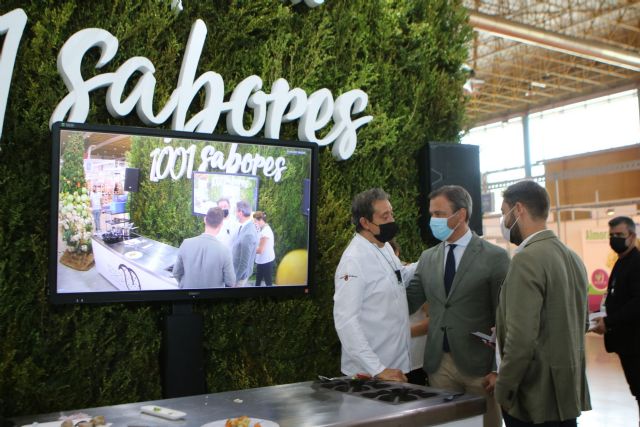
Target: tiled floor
(613, 405)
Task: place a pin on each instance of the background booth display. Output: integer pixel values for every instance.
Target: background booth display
(406, 56)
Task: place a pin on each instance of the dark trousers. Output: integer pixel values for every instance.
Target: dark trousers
(264, 271)
(510, 421)
(631, 368)
(417, 376)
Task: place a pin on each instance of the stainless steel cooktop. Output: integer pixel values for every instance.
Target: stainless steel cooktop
(394, 393)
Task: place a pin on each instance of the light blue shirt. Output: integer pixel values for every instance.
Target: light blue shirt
(458, 251)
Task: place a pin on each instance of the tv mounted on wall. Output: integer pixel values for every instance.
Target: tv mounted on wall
(123, 199)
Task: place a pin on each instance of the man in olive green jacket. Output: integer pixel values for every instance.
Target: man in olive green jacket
(541, 319)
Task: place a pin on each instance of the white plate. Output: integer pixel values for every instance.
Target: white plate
(59, 423)
(133, 254)
(159, 411)
(263, 423)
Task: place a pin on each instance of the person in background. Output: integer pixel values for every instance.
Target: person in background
(460, 279)
(244, 245)
(204, 262)
(230, 226)
(370, 306)
(96, 208)
(541, 319)
(419, 326)
(621, 326)
(265, 254)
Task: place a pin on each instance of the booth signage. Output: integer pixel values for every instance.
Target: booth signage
(163, 163)
(268, 111)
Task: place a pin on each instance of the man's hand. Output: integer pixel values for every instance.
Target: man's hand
(600, 327)
(390, 374)
(489, 382)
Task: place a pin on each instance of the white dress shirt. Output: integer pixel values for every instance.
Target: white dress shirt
(370, 310)
(228, 232)
(525, 241)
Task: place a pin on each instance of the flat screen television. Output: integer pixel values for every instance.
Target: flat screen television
(124, 199)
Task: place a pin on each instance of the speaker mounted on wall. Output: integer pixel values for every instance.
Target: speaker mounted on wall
(131, 179)
(441, 164)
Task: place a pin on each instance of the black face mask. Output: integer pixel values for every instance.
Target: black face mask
(225, 212)
(618, 244)
(387, 231)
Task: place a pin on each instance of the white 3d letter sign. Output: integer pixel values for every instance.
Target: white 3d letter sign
(11, 26)
(310, 3)
(268, 111)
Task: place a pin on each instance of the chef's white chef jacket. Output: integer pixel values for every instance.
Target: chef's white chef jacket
(370, 309)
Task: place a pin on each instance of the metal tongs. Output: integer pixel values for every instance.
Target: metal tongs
(354, 377)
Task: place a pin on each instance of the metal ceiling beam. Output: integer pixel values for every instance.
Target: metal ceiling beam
(531, 35)
(575, 64)
(485, 119)
(482, 99)
(528, 80)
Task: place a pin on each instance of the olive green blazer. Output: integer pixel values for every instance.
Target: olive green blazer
(541, 323)
(469, 307)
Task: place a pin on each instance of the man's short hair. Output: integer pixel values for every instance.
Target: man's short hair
(457, 196)
(532, 195)
(223, 199)
(214, 217)
(631, 226)
(244, 208)
(362, 205)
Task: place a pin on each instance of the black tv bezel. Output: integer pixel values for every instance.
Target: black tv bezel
(179, 295)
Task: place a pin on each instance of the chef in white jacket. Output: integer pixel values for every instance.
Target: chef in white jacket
(370, 305)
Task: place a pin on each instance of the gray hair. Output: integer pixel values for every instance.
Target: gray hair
(631, 226)
(457, 196)
(362, 205)
(244, 208)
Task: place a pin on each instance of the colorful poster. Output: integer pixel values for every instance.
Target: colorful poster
(599, 260)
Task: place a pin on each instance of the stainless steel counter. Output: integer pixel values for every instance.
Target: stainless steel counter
(156, 256)
(294, 405)
(145, 270)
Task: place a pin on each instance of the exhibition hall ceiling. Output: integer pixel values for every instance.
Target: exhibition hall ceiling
(529, 55)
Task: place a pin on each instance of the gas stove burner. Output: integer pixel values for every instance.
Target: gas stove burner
(355, 385)
(377, 390)
(399, 395)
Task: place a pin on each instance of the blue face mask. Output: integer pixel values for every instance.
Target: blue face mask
(440, 229)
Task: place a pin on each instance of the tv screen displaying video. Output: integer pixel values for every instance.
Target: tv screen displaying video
(148, 214)
(210, 187)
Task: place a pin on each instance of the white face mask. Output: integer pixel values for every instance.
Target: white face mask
(506, 232)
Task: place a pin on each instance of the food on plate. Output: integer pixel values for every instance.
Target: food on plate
(84, 422)
(242, 421)
(98, 420)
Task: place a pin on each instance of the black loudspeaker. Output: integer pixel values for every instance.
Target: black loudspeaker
(306, 197)
(183, 358)
(449, 164)
(131, 179)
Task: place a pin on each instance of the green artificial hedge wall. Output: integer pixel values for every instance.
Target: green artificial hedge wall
(405, 54)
